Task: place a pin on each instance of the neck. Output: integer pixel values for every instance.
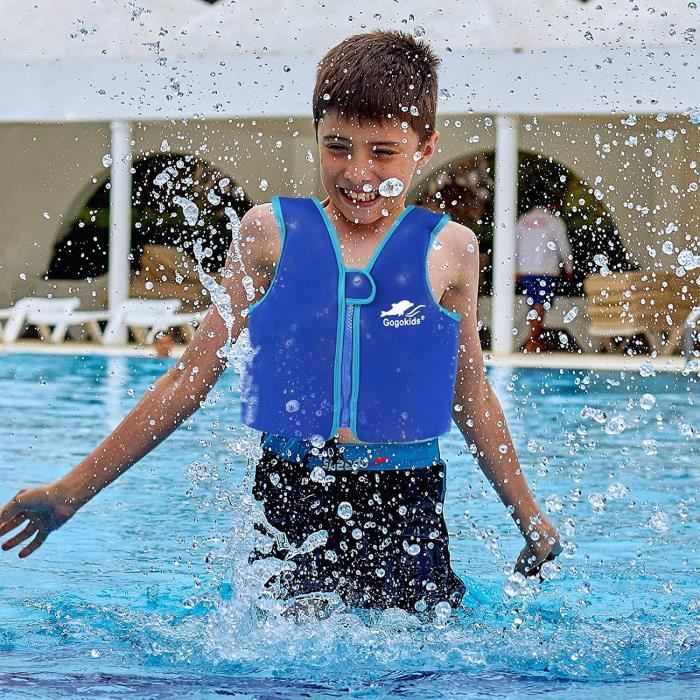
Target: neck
(364, 230)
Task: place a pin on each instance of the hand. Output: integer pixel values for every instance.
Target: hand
(43, 509)
(543, 548)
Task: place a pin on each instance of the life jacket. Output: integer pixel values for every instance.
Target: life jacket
(370, 349)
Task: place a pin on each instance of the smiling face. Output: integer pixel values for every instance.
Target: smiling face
(356, 159)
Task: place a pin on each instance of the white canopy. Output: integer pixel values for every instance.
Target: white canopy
(101, 30)
(97, 60)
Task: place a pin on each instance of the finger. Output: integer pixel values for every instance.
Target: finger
(9, 510)
(27, 532)
(34, 544)
(12, 524)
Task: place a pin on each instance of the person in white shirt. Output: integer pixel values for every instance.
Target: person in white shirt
(542, 250)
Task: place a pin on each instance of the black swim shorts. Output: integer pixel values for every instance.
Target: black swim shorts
(387, 543)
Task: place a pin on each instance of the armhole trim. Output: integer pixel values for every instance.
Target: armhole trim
(282, 231)
(445, 219)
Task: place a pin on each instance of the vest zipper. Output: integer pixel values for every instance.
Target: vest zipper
(347, 367)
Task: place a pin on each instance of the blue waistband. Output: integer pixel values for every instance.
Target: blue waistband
(374, 456)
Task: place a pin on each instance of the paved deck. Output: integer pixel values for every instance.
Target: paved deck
(554, 360)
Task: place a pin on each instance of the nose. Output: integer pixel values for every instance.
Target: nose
(357, 167)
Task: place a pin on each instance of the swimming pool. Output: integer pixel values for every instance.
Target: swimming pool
(133, 598)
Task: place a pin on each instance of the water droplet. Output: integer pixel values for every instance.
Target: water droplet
(414, 110)
(412, 550)
(442, 611)
(263, 185)
(107, 160)
(437, 245)
(571, 314)
(95, 653)
(419, 31)
(661, 117)
(647, 402)
(631, 120)
(615, 425)
(458, 407)
(213, 198)
(345, 510)
(403, 510)
(651, 447)
(161, 178)
(326, 96)
(503, 448)
(647, 369)
(189, 209)
(417, 156)
(317, 441)
(46, 215)
(292, 406)
(165, 146)
(667, 247)
(588, 36)
(317, 475)
(380, 572)
(470, 248)
(274, 478)
(659, 521)
(600, 260)
(392, 187)
(309, 156)
(357, 533)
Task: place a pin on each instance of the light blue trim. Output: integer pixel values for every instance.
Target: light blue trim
(336, 243)
(282, 230)
(338, 366)
(440, 225)
(386, 238)
(351, 300)
(355, 370)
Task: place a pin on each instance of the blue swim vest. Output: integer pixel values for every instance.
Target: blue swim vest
(370, 349)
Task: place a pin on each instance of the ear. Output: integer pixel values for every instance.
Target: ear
(428, 148)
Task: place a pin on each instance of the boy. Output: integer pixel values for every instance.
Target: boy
(366, 346)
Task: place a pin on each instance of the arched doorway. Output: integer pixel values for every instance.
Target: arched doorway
(161, 184)
(464, 189)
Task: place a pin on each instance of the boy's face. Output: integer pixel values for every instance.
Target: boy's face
(356, 159)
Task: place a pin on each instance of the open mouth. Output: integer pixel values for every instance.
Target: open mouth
(359, 199)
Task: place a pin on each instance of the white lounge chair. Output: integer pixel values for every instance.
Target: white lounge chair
(145, 317)
(13, 318)
(42, 312)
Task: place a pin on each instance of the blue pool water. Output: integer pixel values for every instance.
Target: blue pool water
(147, 592)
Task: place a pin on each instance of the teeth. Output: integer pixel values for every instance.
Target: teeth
(360, 196)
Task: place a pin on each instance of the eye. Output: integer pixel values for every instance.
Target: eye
(382, 152)
(336, 147)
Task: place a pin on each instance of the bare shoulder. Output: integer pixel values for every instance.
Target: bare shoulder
(457, 251)
(260, 237)
(459, 240)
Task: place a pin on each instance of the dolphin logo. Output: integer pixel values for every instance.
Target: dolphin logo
(401, 308)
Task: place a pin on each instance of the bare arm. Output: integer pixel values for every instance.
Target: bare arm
(479, 415)
(176, 396)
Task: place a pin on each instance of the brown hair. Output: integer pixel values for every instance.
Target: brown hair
(379, 75)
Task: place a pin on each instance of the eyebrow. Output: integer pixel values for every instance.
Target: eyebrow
(335, 137)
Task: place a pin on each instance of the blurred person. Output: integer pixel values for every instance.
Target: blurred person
(542, 250)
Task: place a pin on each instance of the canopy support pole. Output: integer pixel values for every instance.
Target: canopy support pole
(119, 226)
(505, 214)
